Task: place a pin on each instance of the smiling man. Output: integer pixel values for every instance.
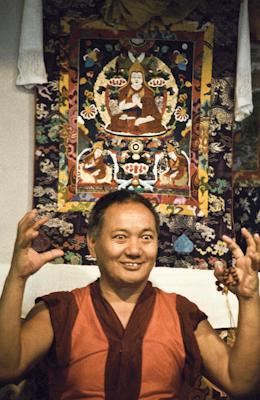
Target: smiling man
(126, 249)
(120, 338)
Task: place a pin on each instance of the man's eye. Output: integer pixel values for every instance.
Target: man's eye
(147, 237)
(120, 237)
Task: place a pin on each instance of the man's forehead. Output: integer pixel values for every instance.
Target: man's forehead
(126, 210)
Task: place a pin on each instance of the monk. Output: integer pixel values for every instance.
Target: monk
(120, 338)
(138, 113)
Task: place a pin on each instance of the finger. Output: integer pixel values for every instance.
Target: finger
(251, 245)
(32, 218)
(227, 277)
(255, 262)
(27, 233)
(23, 227)
(257, 242)
(39, 221)
(219, 268)
(221, 274)
(255, 255)
(233, 246)
(25, 240)
(32, 221)
(27, 219)
(51, 255)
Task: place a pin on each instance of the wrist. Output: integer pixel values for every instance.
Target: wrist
(15, 277)
(253, 298)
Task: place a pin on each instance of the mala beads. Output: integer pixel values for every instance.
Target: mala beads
(230, 278)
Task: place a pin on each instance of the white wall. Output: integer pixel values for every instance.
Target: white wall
(16, 131)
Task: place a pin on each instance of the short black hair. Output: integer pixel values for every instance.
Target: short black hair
(96, 216)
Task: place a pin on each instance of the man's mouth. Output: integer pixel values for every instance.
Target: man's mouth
(132, 265)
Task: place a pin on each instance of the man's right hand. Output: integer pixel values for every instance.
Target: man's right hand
(26, 261)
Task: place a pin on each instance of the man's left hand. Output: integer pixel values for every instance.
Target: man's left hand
(244, 281)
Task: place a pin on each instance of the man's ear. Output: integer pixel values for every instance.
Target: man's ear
(91, 246)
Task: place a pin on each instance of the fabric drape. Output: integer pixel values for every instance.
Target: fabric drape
(31, 65)
(243, 89)
(135, 13)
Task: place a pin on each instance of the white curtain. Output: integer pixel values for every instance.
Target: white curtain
(31, 68)
(243, 89)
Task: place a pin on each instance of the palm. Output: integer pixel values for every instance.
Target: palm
(247, 277)
(28, 262)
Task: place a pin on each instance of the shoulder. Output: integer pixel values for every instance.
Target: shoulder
(189, 313)
(169, 297)
(63, 297)
(63, 306)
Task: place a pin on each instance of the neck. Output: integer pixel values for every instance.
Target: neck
(126, 294)
(136, 87)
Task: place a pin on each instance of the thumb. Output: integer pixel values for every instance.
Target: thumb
(219, 268)
(51, 255)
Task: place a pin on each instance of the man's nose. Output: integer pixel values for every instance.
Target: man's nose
(133, 248)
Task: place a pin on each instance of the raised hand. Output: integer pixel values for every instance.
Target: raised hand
(242, 278)
(26, 261)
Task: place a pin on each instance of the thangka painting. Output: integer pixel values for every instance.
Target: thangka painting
(134, 115)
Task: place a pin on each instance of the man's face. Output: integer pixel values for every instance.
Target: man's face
(126, 246)
(137, 78)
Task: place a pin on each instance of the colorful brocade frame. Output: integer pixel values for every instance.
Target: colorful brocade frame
(134, 113)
